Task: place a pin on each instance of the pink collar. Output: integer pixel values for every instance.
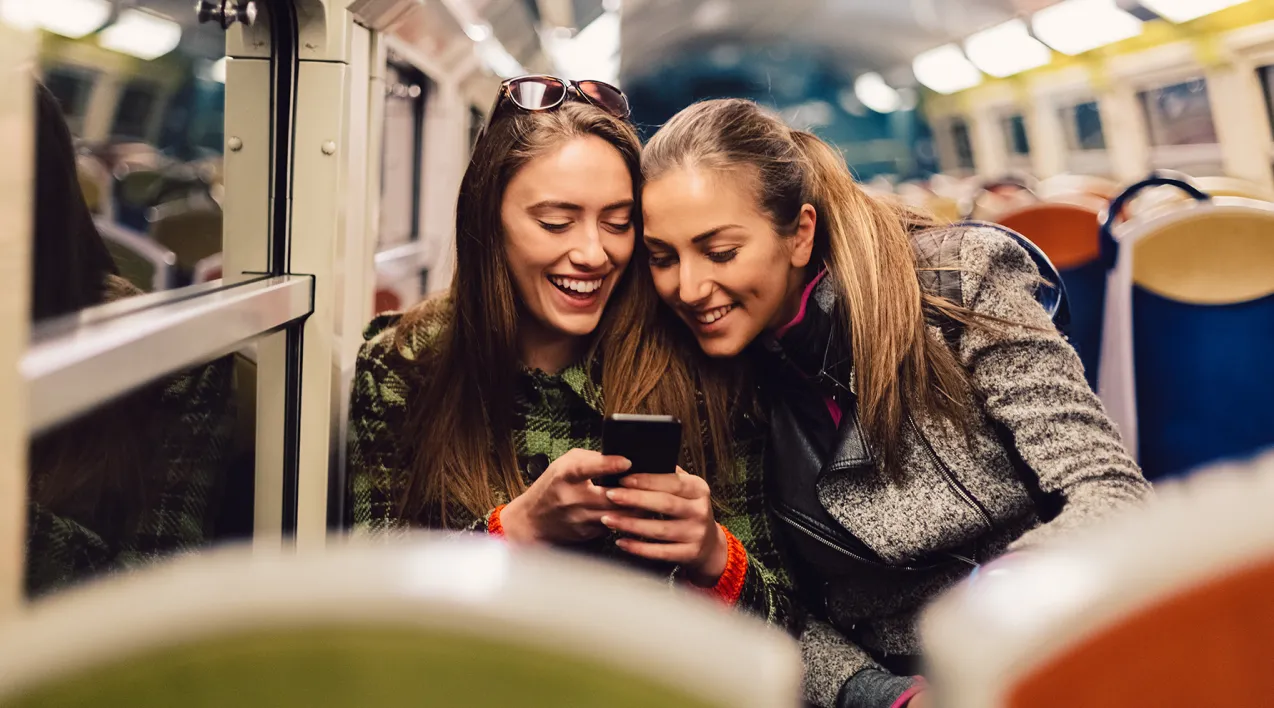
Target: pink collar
(805, 299)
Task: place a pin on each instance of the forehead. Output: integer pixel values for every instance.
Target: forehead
(687, 201)
(584, 170)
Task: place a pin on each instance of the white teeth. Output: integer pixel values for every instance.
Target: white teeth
(714, 314)
(579, 286)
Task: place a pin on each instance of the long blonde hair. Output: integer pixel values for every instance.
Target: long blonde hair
(864, 242)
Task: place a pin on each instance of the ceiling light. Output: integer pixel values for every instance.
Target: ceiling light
(1007, 49)
(946, 70)
(478, 31)
(1077, 26)
(142, 35)
(498, 60)
(69, 18)
(1186, 10)
(877, 95)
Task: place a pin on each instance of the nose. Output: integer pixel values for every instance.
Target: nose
(587, 252)
(694, 287)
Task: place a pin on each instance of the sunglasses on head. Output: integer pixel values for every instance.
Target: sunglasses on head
(544, 93)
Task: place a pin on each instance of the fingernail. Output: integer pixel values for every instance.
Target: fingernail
(626, 464)
(606, 521)
(610, 494)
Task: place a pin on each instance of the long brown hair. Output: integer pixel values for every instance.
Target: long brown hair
(864, 242)
(463, 412)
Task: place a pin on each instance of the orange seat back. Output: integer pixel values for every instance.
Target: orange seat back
(1067, 233)
(1206, 646)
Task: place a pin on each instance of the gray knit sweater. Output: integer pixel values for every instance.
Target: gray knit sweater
(1031, 382)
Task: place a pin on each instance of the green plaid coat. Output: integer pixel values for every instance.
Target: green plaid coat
(555, 413)
(188, 447)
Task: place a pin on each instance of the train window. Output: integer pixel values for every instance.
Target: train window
(406, 92)
(1083, 127)
(963, 144)
(1015, 134)
(1266, 74)
(136, 112)
(1180, 114)
(166, 469)
(149, 111)
(72, 87)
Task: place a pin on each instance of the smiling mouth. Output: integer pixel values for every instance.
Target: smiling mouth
(577, 288)
(707, 317)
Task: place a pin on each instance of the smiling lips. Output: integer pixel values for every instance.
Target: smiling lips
(707, 317)
(576, 287)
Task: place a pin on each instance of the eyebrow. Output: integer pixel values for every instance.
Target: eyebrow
(568, 206)
(712, 232)
(697, 239)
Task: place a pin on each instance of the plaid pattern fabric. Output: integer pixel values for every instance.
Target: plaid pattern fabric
(555, 413)
(191, 450)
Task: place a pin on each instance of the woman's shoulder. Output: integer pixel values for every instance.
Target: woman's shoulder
(407, 335)
(972, 253)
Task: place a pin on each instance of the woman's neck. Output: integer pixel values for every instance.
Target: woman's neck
(548, 351)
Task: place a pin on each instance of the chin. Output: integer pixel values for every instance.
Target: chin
(721, 347)
(576, 326)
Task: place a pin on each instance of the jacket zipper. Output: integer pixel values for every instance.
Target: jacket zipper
(821, 538)
(955, 485)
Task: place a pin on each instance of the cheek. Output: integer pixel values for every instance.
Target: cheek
(619, 249)
(524, 249)
(665, 280)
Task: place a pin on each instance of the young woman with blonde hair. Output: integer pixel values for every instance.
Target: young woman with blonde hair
(924, 414)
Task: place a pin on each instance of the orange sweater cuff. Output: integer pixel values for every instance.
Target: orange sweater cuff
(730, 586)
(494, 527)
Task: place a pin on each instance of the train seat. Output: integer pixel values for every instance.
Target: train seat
(437, 621)
(1067, 233)
(1066, 186)
(1166, 606)
(1189, 325)
(207, 269)
(141, 261)
(193, 234)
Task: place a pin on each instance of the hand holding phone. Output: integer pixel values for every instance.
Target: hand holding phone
(563, 506)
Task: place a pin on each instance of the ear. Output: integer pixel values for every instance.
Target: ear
(803, 240)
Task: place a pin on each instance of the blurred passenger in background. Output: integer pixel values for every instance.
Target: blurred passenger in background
(483, 409)
(912, 437)
(138, 477)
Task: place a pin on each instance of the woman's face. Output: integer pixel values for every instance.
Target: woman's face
(568, 228)
(717, 260)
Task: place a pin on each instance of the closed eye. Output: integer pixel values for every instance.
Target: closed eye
(556, 228)
(620, 227)
(662, 260)
(723, 256)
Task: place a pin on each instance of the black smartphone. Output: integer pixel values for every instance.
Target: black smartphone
(651, 442)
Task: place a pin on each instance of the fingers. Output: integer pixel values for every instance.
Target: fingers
(681, 484)
(582, 465)
(655, 502)
(678, 531)
(671, 552)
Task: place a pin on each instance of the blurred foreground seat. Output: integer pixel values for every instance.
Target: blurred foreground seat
(1171, 606)
(439, 622)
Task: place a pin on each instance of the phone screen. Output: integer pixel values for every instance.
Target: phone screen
(651, 442)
